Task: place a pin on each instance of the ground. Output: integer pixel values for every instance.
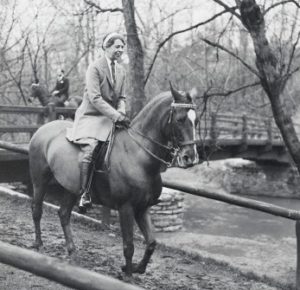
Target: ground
(101, 251)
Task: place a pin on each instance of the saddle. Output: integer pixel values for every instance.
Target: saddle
(101, 157)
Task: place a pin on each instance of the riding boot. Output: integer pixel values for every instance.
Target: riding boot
(85, 200)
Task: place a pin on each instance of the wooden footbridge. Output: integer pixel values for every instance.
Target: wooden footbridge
(221, 137)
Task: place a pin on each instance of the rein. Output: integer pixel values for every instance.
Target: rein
(173, 150)
(174, 153)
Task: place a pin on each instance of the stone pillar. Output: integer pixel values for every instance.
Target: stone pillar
(167, 216)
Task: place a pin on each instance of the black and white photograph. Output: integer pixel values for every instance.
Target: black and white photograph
(149, 144)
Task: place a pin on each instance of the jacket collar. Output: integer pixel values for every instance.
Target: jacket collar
(105, 68)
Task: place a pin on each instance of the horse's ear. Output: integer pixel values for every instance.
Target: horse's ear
(176, 95)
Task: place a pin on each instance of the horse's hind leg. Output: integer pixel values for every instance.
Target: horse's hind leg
(39, 192)
(144, 222)
(64, 212)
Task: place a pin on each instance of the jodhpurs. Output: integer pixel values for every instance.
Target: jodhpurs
(88, 149)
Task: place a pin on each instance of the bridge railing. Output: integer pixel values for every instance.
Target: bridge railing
(240, 127)
(18, 123)
(17, 120)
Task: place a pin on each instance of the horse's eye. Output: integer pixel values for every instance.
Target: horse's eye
(181, 120)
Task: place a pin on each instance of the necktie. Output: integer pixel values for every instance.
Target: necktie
(113, 72)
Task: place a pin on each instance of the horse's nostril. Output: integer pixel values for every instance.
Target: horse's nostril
(187, 160)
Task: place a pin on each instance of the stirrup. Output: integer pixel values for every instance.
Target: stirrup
(85, 199)
(85, 202)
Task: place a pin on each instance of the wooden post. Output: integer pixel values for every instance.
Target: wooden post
(213, 129)
(244, 145)
(268, 146)
(51, 111)
(298, 255)
(61, 272)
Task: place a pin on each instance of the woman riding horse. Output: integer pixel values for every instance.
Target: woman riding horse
(162, 131)
(103, 104)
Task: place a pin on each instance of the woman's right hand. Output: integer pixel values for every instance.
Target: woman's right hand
(123, 122)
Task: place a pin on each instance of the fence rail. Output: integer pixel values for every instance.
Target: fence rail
(26, 120)
(213, 127)
(63, 273)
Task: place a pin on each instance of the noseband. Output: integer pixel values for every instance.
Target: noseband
(176, 146)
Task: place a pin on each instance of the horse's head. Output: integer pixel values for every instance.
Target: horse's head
(182, 128)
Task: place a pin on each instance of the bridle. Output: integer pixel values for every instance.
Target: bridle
(175, 147)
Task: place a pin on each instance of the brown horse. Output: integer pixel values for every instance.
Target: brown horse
(163, 130)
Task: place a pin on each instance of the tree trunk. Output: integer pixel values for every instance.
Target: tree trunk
(270, 75)
(136, 59)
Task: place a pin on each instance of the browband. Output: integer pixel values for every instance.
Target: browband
(182, 105)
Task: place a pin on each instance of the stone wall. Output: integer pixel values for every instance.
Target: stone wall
(167, 216)
(262, 180)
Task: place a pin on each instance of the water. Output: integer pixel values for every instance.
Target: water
(205, 216)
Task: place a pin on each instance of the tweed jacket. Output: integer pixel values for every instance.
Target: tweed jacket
(102, 103)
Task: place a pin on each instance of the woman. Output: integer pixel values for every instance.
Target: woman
(103, 105)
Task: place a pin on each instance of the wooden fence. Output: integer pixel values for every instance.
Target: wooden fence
(211, 129)
(17, 120)
(239, 127)
(58, 271)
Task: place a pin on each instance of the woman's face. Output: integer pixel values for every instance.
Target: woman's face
(115, 51)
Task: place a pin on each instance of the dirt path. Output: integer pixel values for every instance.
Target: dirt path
(101, 251)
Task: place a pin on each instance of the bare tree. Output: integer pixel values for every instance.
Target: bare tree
(272, 73)
(136, 58)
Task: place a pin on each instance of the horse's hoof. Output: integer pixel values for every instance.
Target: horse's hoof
(127, 279)
(124, 270)
(37, 245)
(137, 268)
(82, 209)
(71, 249)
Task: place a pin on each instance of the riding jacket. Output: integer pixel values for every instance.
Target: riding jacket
(102, 104)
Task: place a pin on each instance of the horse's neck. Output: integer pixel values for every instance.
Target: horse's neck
(148, 131)
(153, 125)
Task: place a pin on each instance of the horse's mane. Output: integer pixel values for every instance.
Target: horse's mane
(163, 99)
(154, 103)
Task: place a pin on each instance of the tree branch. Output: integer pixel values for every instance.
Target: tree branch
(160, 46)
(280, 3)
(100, 9)
(249, 67)
(229, 92)
(228, 8)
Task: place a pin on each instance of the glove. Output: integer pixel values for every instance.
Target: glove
(123, 122)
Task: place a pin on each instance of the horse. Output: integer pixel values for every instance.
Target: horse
(162, 131)
(45, 98)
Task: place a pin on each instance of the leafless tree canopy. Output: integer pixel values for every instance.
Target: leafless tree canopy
(238, 55)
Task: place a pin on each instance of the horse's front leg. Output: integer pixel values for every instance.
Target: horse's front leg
(126, 216)
(144, 222)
